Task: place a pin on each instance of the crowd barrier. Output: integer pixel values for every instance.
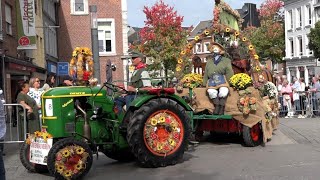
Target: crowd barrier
(300, 104)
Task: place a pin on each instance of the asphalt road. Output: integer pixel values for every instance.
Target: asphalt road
(292, 154)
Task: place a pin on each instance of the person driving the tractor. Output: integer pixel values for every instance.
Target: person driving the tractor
(140, 80)
(217, 71)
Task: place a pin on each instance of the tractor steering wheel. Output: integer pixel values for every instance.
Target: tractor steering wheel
(115, 88)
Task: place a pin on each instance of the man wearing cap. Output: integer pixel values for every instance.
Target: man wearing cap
(217, 72)
(140, 80)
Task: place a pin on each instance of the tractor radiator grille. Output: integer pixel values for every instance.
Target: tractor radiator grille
(70, 128)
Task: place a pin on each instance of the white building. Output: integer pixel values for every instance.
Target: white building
(300, 17)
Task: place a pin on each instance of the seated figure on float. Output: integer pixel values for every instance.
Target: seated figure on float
(218, 71)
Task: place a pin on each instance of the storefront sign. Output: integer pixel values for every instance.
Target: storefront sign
(26, 24)
(39, 150)
(19, 67)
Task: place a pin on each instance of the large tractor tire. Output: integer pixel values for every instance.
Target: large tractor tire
(66, 164)
(25, 160)
(252, 136)
(158, 133)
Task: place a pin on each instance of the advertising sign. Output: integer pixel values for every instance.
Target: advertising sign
(26, 24)
(39, 150)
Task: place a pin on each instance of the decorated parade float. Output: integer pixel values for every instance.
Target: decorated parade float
(80, 121)
(251, 106)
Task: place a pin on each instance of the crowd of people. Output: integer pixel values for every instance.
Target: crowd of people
(295, 98)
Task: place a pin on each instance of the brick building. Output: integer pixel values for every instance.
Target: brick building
(75, 30)
(18, 64)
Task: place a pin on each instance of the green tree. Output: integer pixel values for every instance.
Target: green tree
(314, 40)
(269, 38)
(162, 38)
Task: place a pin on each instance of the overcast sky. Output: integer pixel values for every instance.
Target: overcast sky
(193, 11)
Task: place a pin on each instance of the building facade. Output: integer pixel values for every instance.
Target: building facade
(50, 26)
(300, 17)
(75, 31)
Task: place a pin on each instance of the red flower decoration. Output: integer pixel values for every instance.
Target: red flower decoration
(176, 135)
(168, 120)
(153, 136)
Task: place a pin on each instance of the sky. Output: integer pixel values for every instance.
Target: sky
(192, 11)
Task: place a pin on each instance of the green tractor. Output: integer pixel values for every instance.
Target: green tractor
(84, 121)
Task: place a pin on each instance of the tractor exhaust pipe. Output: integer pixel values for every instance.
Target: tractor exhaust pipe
(86, 126)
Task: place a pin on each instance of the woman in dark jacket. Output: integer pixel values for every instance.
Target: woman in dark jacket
(31, 107)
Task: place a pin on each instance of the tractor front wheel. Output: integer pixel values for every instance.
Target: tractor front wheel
(69, 159)
(252, 136)
(158, 133)
(25, 160)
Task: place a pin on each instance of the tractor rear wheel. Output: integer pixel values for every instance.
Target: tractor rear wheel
(69, 159)
(252, 136)
(25, 160)
(158, 133)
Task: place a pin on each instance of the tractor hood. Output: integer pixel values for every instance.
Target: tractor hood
(73, 91)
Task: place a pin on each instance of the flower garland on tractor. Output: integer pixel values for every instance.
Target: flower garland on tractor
(81, 65)
(71, 160)
(43, 134)
(157, 138)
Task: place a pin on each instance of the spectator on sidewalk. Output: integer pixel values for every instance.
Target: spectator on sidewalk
(303, 97)
(315, 96)
(286, 92)
(50, 82)
(32, 110)
(296, 88)
(2, 134)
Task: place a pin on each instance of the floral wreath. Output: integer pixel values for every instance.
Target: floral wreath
(44, 135)
(81, 64)
(154, 129)
(71, 160)
(246, 103)
(240, 81)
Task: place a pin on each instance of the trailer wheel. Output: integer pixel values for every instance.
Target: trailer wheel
(252, 136)
(158, 133)
(69, 159)
(25, 160)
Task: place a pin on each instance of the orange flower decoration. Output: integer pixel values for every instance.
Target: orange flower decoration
(180, 61)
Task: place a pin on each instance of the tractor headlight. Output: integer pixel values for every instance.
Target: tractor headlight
(97, 110)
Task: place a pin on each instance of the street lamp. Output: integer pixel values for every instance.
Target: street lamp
(94, 40)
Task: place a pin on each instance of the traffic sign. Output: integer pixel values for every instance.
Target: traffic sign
(63, 68)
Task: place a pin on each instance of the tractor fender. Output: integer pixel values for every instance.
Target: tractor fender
(140, 100)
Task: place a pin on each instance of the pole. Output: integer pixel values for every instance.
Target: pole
(95, 52)
(94, 41)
